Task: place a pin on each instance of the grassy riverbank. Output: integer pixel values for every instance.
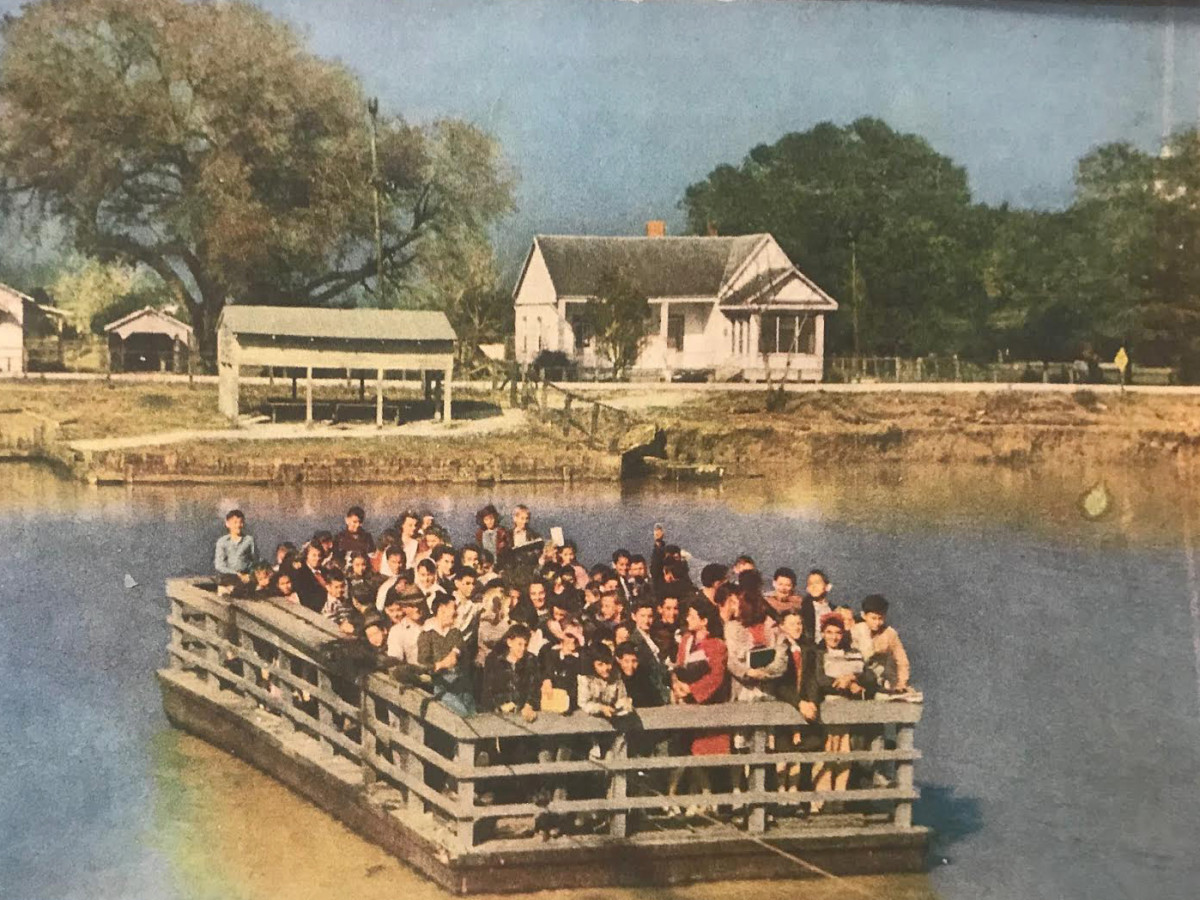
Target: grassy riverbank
(173, 432)
(1013, 428)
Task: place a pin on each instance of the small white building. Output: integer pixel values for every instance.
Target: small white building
(12, 331)
(149, 340)
(725, 306)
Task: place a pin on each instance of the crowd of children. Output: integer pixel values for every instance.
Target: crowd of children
(511, 622)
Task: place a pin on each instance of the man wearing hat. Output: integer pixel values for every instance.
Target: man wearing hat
(404, 609)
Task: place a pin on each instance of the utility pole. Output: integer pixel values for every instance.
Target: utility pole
(373, 109)
(854, 292)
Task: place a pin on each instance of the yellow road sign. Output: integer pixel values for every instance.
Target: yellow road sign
(1121, 360)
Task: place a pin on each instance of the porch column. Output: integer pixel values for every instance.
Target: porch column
(446, 395)
(308, 391)
(755, 329)
(662, 337)
(379, 400)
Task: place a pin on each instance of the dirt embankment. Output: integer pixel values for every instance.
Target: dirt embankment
(745, 433)
(741, 433)
(529, 457)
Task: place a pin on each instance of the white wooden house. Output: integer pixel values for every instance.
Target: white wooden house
(12, 331)
(724, 306)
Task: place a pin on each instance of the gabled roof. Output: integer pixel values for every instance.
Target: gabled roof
(657, 267)
(158, 321)
(343, 324)
(12, 294)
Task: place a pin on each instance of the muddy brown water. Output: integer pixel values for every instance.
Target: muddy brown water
(1058, 653)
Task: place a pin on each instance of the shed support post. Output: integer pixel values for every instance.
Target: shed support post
(446, 396)
(308, 391)
(379, 400)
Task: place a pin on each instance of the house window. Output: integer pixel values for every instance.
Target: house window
(583, 335)
(675, 327)
(787, 333)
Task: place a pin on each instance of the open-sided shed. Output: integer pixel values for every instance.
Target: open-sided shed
(149, 340)
(376, 340)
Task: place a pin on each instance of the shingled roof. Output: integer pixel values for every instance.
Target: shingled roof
(657, 267)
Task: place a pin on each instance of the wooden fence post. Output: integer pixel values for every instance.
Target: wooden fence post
(904, 776)
(370, 744)
(176, 639)
(464, 756)
(618, 821)
(756, 819)
(324, 713)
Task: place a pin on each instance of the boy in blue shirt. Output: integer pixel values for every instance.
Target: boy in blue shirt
(236, 552)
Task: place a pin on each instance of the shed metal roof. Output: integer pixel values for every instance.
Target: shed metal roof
(657, 267)
(339, 324)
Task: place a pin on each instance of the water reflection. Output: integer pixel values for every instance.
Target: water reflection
(1060, 739)
(234, 834)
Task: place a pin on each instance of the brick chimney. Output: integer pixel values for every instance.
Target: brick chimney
(656, 228)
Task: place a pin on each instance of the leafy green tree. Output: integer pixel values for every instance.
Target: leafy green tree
(616, 318)
(205, 142)
(871, 215)
(1145, 214)
(458, 275)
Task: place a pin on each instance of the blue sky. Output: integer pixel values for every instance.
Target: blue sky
(608, 109)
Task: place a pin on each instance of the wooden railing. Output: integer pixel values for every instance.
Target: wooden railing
(461, 775)
(601, 425)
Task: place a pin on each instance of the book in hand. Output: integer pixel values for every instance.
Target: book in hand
(556, 700)
(839, 663)
(528, 553)
(695, 666)
(760, 657)
(901, 696)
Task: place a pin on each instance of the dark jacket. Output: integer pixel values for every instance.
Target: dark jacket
(651, 669)
(504, 682)
(799, 682)
(309, 588)
(562, 672)
(360, 542)
(642, 690)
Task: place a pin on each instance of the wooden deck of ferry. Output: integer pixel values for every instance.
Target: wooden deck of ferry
(407, 773)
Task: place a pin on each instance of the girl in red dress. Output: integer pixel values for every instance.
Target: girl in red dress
(702, 676)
